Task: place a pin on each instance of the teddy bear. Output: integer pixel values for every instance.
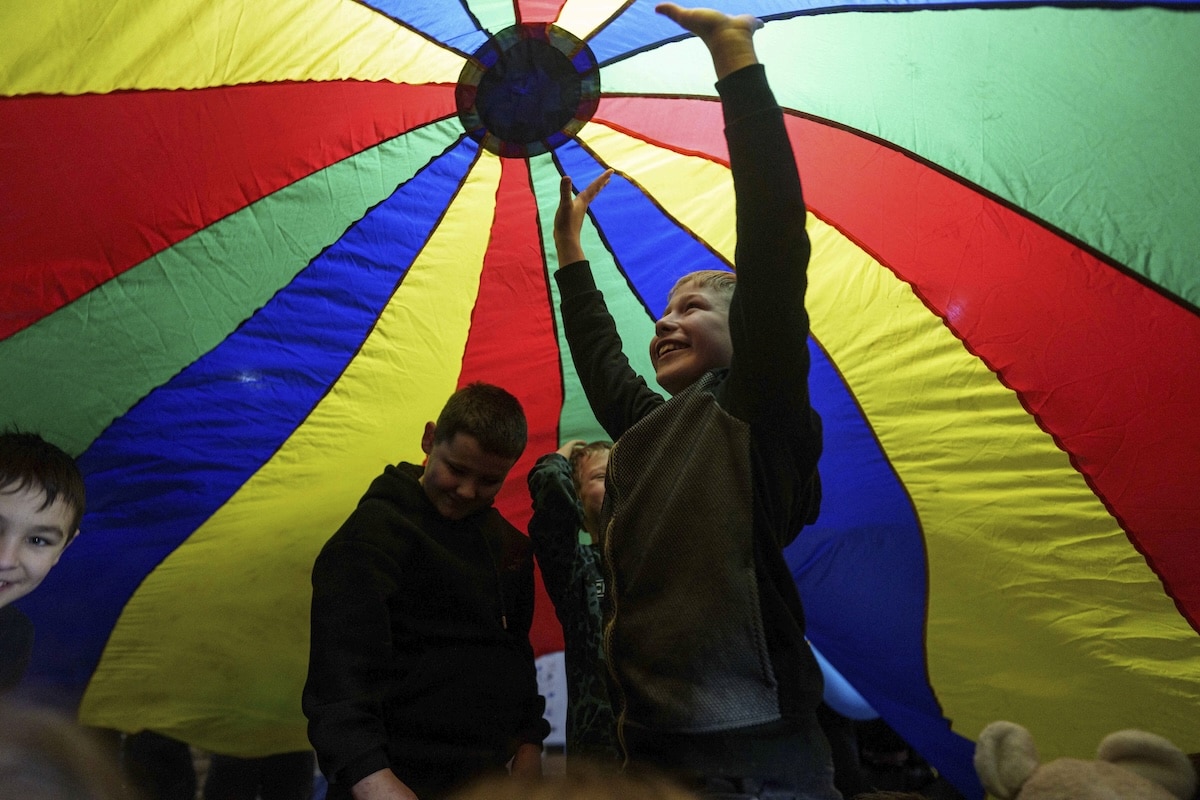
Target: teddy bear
(1129, 765)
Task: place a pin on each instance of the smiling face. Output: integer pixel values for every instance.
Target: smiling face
(691, 337)
(461, 477)
(32, 539)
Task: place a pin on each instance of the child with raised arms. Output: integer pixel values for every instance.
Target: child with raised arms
(712, 678)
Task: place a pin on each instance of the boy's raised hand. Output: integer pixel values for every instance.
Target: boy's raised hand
(729, 39)
(569, 447)
(568, 220)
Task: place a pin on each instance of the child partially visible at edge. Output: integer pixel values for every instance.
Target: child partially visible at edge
(567, 490)
(41, 505)
(712, 678)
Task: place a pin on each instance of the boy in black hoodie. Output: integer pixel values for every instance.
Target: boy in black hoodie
(421, 676)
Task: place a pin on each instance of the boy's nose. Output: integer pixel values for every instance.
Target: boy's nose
(8, 552)
(664, 324)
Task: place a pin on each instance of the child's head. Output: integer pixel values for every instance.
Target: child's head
(589, 464)
(46, 756)
(477, 439)
(41, 504)
(692, 336)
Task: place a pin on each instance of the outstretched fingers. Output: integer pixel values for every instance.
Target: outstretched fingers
(593, 188)
(572, 207)
(568, 220)
(565, 193)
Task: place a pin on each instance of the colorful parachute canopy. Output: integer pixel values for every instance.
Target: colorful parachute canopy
(249, 250)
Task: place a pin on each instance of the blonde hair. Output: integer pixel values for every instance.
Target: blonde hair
(580, 455)
(722, 281)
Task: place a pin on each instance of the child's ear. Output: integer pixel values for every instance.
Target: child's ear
(427, 438)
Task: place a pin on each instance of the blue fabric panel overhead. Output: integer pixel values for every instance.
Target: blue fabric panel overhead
(444, 21)
(636, 231)
(638, 28)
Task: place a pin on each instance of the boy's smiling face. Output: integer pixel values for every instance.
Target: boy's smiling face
(32, 539)
(691, 337)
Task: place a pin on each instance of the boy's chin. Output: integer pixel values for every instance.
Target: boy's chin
(458, 511)
(675, 381)
(11, 593)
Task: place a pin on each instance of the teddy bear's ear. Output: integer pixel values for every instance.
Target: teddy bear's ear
(1154, 758)
(1005, 757)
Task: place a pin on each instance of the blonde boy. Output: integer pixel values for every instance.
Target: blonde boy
(712, 678)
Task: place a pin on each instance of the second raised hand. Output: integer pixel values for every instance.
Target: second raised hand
(568, 220)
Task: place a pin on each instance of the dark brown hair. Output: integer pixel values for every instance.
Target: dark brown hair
(490, 414)
(27, 461)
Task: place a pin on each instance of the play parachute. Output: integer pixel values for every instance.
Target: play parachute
(248, 249)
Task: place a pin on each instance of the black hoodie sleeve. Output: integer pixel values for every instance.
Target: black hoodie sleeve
(350, 648)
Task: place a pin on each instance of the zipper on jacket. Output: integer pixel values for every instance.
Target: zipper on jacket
(615, 682)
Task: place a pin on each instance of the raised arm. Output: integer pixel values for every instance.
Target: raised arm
(617, 394)
(767, 319)
(729, 39)
(554, 526)
(568, 220)
(768, 323)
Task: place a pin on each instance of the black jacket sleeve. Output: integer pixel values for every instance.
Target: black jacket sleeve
(350, 649)
(768, 323)
(618, 396)
(554, 526)
(16, 645)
